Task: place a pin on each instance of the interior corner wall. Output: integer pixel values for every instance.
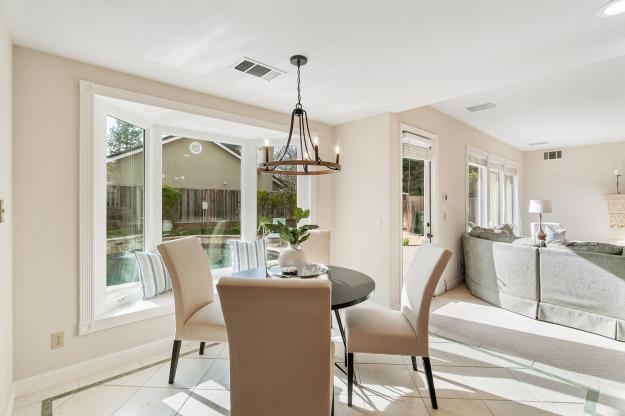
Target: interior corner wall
(46, 169)
(576, 185)
(6, 234)
(367, 193)
(362, 201)
(453, 137)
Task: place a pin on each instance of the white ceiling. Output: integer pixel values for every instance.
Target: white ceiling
(366, 56)
(583, 105)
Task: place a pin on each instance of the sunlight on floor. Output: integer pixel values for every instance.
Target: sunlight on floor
(486, 361)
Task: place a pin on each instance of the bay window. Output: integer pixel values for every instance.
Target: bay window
(144, 181)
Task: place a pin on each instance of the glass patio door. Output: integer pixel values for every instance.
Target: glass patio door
(416, 195)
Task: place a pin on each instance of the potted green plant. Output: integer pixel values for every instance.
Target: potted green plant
(293, 258)
(171, 199)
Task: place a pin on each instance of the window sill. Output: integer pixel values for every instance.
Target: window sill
(139, 310)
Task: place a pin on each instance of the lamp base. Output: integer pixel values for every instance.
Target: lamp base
(541, 237)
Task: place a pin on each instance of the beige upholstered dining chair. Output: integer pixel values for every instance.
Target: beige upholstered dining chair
(281, 355)
(198, 312)
(405, 332)
(317, 247)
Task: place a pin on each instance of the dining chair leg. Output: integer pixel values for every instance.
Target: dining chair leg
(202, 345)
(414, 363)
(175, 352)
(342, 330)
(332, 412)
(428, 374)
(350, 377)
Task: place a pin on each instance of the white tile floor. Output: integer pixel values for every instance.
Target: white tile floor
(486, 361)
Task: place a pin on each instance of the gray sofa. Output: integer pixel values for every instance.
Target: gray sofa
(581, 285)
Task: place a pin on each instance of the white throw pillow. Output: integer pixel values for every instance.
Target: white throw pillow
(554, 233)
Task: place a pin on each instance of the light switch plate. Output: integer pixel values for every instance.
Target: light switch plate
(1, 210)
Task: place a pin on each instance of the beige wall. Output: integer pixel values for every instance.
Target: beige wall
(362, 198)
(46, 127)
(368, 189)
(6, 256)
(575, 184)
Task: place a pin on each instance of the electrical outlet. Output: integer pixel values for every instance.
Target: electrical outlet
(58, 340)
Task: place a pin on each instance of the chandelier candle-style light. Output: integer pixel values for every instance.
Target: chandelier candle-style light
(309, 163)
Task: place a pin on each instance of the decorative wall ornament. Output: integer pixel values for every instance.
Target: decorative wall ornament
(616, 217)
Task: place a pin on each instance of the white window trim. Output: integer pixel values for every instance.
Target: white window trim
(484, 203)
(90, 289)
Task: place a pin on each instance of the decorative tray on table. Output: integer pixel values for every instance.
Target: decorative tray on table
(310, 270)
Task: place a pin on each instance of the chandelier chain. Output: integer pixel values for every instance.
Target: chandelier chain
(299, 91)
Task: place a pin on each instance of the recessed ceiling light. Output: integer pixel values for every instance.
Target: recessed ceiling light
(612, 8)
(538, 143)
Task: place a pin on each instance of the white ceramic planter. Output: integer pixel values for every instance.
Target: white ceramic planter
(167, 226)
(293, 256)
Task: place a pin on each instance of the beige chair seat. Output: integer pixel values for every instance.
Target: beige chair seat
(405, 332)
(379, 331)
(206, 323)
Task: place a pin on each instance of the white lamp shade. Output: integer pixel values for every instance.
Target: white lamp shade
(540, 206)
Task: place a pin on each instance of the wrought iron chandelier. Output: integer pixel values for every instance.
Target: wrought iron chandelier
(309, 162)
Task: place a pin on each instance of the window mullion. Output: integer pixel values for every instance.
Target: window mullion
(248, 191)
(153, 222)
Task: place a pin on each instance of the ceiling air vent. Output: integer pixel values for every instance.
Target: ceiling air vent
(257, 69)
(481, 107)
(554, 154)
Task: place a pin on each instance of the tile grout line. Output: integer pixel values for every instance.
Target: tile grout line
(46, 404)
(194, 388)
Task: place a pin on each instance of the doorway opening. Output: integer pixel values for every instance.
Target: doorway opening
(416, 195)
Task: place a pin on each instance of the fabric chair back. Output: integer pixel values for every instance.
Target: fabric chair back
(425, 270)
(248, 254)
(190, 274)
(317, 247)
(281, 358)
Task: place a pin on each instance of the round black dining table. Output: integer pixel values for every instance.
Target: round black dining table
(349, 287)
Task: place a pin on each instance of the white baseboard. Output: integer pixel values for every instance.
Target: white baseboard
(9, 411)
(89, 367)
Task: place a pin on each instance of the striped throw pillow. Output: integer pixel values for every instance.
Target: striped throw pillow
(154, 276)
(248, 254)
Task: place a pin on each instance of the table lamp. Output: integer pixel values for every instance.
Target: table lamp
(540, 207)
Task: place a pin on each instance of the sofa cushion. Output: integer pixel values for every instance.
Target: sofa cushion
(555, 232)
(505, 228)
(588, 247)
(500, 237)
(475, 231)
(526, 242)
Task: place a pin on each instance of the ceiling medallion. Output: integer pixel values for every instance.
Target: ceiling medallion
(305, 165)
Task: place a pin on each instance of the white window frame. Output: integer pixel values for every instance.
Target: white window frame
(103, 307)
(501, 165)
